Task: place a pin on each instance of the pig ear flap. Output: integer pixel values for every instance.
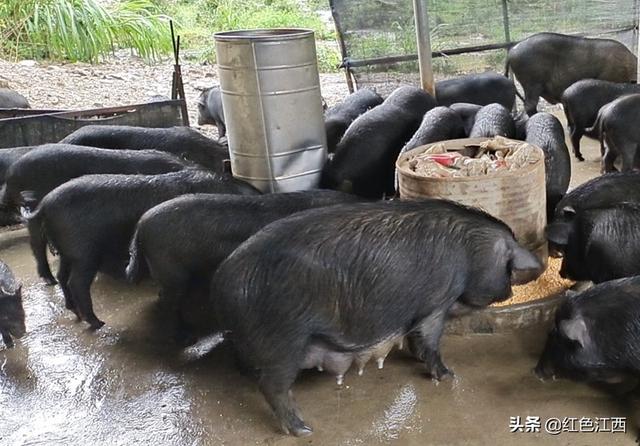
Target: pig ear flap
(576, 330)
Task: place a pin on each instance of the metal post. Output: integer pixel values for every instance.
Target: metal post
(637, 11)
(507, 30)
(424, 45)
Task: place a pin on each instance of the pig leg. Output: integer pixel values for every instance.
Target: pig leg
(80, 286)
(531, 98)
(628, 154)
(608, 159)
(425, 342)
(6, 337)
(576, 135)
(172, 298)
(64, 271)
(222, 130)
(275, 384)
(38, 246)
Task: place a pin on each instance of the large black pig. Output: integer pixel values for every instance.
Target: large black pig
(181, 141)
(596, 336)
(581, 103)
(545, 131)
(481, 89)
(493, 120)
(364, 162)
(338, 118)
(46, 167)
(184, 240)
(11, 311)
(599, 244)
(89, 222)
(546, 64)
(619, 134)
(337, 285)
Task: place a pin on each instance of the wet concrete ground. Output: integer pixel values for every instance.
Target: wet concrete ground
(129, 384)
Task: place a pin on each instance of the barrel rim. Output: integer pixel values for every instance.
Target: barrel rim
(403, 171)
(262, 34)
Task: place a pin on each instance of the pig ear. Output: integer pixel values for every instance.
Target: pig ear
(576, 330)
(558, 233)
(523, 260)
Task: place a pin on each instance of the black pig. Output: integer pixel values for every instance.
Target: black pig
(12, 99)
(11, 311)
(481, 89)
(89, 222)
(46, 167)
(545, 131)
(546, 64)
(493, 120)
(581, 103)
(181, 141)
(364, 162)
(331, 286)
(338, 118)
(599, 244)
(467, 113)
(210, 110)
(619, 136)
(184, 240)
(596, 336)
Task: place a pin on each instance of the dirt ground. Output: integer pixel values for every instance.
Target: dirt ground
(125, 79)
(128, 384)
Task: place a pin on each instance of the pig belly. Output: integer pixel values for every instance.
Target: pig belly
(323, 357)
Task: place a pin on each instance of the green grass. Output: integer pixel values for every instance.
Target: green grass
(81, 30)
(200, 19)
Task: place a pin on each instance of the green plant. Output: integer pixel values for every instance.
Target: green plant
(81, 30)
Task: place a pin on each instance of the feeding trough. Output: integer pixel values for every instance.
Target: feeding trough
(514, 193)
(28, 127)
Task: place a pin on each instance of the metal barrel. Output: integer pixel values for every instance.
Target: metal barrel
(273, 108)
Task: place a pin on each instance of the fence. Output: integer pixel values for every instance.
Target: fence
(378, 44)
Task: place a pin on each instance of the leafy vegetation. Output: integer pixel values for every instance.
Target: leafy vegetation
(81, 30)
(205, 17)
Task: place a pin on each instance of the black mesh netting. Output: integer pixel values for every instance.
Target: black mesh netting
(378, 36)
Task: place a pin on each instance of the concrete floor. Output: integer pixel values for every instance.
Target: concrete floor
(128, 384)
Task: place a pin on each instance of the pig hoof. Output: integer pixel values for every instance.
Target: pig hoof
(50, 281)
(96, 325)
(439, 371)
(303, 431)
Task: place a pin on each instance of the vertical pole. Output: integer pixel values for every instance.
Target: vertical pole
(424, 45)
(637, 11)
(505, 21)
(507, 30)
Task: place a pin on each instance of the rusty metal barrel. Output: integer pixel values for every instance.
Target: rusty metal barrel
(273, 108)
(516, 197)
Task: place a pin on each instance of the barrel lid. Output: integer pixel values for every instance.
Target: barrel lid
(263, 35)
